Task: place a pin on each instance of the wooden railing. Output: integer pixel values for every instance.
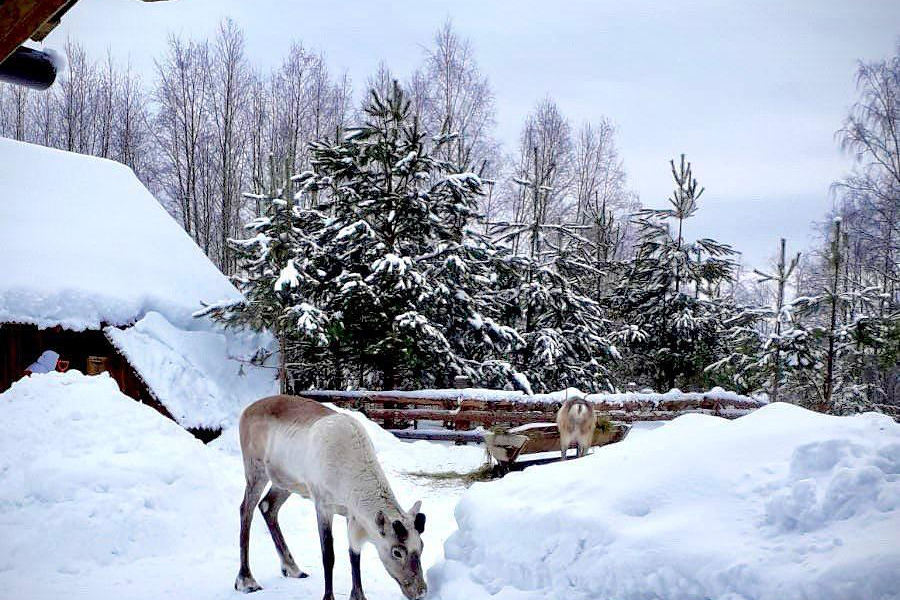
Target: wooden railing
(467, 408)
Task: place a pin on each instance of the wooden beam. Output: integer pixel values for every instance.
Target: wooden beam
(439, 435)
(23, 19)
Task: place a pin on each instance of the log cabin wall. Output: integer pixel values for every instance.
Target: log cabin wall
(21, 345)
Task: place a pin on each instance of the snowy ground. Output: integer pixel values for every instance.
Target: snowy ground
(780, 504)
(102, 497)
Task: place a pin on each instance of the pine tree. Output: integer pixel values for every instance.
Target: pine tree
(764, 345)
(565, 332)
(677, 328)
(848, 338)
(270, 277)
(402, 281)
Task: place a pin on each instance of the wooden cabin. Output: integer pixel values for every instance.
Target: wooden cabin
(87, 351)
(93, 268)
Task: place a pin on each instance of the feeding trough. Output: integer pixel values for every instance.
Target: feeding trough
(505, 447)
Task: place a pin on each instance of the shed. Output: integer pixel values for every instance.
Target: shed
(92, 266)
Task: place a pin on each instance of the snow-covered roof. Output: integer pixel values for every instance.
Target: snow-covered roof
(83, 242)
(203, 378)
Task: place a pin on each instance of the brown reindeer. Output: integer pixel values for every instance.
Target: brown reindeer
(576, 422)
(308, 449)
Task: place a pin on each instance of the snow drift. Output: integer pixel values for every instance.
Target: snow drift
(89, 477)
(103, 497)
(780, 504)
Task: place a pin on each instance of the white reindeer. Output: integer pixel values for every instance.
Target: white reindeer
(305, 448)
(576, 422)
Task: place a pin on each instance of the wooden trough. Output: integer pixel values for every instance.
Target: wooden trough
(534, 438)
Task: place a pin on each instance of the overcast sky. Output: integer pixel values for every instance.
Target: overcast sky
(751, 91)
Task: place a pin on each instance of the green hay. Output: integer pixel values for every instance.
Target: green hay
(605, 425)
(482, 473)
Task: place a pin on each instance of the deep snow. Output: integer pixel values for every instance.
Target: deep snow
(780, 504)
(103, 497)
(83, 242)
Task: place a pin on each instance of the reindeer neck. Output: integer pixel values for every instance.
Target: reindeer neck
(372, 493)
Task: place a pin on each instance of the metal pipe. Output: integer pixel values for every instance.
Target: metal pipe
(29, 67)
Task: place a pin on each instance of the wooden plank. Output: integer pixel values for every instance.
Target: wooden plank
(22, 19)
(411, 414)
(439, 435)
(351, 400)
(460, 413)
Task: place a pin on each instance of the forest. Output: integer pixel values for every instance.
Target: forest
(390, 241)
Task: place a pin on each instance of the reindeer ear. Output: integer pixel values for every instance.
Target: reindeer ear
(400, 530)
(380, 522)
(419, 523)
(415, 508)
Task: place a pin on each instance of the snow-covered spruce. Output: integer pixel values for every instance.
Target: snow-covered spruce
(369, 274)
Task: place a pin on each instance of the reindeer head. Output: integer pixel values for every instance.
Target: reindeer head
(400, 548)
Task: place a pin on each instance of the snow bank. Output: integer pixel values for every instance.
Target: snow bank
(103, 497)
(203, 378)
(780, 504)
(85, 243)
(89, 477)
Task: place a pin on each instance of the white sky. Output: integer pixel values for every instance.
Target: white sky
(752, 91)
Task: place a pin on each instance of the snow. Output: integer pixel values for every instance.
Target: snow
(781, 504)
(617, 399)
(85, 243)
(102, 497)
(522, 383)
(405, 161)
(203, 378)
(91, 481)
(58, 59)
(288, 277)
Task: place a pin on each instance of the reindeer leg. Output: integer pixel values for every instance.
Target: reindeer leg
(327, 542)
(356, 536)
(356, 593)
(256, 482)
(582, 449)
(564, 445)
(269, 508)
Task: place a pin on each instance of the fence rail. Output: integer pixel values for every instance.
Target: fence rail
(464, 409)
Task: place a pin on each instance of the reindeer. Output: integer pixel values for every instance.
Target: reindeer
(576, 422)
(308, 449)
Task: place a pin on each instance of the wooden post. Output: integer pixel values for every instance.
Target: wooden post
(828, 387)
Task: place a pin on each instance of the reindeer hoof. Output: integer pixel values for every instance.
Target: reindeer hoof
(246, 584)
(357, 596)
(293, 571)
(328, 597)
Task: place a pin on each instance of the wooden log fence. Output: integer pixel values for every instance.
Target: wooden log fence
(461, 410)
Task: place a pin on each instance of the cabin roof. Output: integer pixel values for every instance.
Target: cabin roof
(84, 243)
